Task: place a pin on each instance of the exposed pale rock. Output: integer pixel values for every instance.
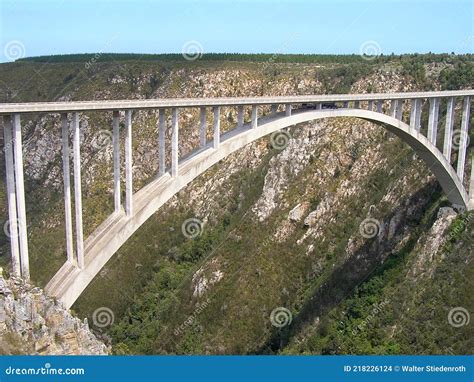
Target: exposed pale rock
(33, 323)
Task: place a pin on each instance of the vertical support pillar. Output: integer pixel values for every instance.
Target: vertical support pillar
(217, 127)
(116, 153)
(254, 116)
(20, 197)
(399, 111)
(203, 127)
(274, 110)
(11, 195)
(433, 120)
(174, 142)
(471, 184)
(419, 104)
(161, 143)
(380, 106)
(67, 189)
(319, 106)
(393, 107)
(448, 132)
(412, 113)
(240, 116)
(78, 190)
(371, 105)
(128, 164)
(287, 110)
(464, 134)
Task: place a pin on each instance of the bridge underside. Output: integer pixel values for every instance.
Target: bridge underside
(70, 281)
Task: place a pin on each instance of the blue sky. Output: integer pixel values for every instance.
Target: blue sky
(34, 27)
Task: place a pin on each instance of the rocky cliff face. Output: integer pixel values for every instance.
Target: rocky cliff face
(33, 323)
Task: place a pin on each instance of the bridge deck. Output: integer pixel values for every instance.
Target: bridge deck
(59, 107)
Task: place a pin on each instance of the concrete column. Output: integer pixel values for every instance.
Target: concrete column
(464, 134)
(11, 195)
(254, 116)
(380, 106)
(217, 127)
(412, 113)
(419, 104)
(174, 142)
(356, 104)
(116, 153)
(161, 143)
(448, 132)
(78, 190)
(471, 183)
(399, 112)
(433, 120)
(319, 106)
(240, 116)
(274, 109)
(287, 110)
(203, 127)
(67, 189)
(20, 197)
(128, 164)
(371, 105)
(393, 107)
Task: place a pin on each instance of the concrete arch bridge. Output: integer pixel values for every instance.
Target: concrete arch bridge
(85, 257)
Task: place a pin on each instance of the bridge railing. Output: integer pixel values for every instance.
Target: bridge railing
(402, 106)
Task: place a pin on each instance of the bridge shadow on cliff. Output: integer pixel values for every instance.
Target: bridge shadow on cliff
(355, 270)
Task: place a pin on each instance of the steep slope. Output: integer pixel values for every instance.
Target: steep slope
(32, 323)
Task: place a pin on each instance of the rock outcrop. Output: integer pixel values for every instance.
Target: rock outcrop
(33, 323)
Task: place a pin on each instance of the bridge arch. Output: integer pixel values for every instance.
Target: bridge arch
(70, 281)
